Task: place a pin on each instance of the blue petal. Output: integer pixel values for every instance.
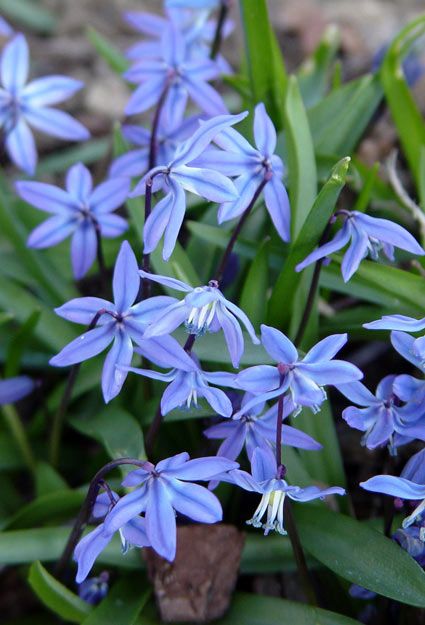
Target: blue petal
(145, 96)
(325, 349)
(57, 124)
(277, 203)
(172, 283)
(14, 389)
(358, 393)
(79, 182)
(206, 183)
(395, 486)
(314, 492)
(195, 502)
(218, 400)
(146, 23)
(20, 147)
(51, 232)
(137, 477)
(239, 313)
(112, 226)
(296, 438)
(14, 64)
(177, 393)
(227, 163)
(85, 346)
(144, 70)
(381, 430)
(83, 249)
(354, 255)
(126, 280)
(202, 468)
(205, 96)
(232, 141)
(389, 232)
(232, 333)
(50, 90)
(263, 464)
(338, 242)
(278, 346)
(414, 469)
(109, 195)
(258, 379)
(148, 310)
(264, 131)
(166, 352)
(174, 461)
(128, 507)
(46, 197)
(396, 322)
(161, 521)
(83, 309)
(404, 344)
(333, 372)
(175, 105)
(360, 418)
(177, 214)
(246, 186)
(305, 392)
(88, 549)
(157, 222)
(135, 532)
(118, 356)
(134, 163)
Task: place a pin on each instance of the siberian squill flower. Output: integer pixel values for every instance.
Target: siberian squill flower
(404, 324)
(119, 322)
(410, 486)
(382, 417)
(177, 75)
(267, 480)
(179, 176)
(93, 589)
(79, 210)
(203, 309)
(186, 386)
(367, 235)
(14, 389)
(6, 29)
(25, 104)
(132, 533)
(165, 489)
(256, 428)
(303, 378)
(192, 4)
(252, 166)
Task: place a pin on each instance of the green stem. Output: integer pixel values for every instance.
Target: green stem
(19, 434)
(59, 418)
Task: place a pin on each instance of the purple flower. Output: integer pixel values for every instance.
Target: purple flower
(94, 589)
(164, 490)
(252, 166)
(186, 386)
(367, 235)
(179, 74)
(5, 29)
(120, 322)
(179, 176)
(79, 211)
(254, 429)
(204, 309)
(411, 539)
(382, 417)
(14, 389)
(192, 4)
(303, 378)
(403, 323)
(267, 481)
(132, 533)
(23, 105)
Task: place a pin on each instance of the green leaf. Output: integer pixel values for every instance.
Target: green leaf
(57, 597)
(109, 53)
(29, 14)
(181, 266)
(315, 73)
(361, 555)
(48, 507)
(122, 605)
(48, 480)
(404, 110)
(254, 293)
(265, 64)
(116, 429)
(250, 609)
(306, 241)
(87, 152)
(19, 343)
(302, 172)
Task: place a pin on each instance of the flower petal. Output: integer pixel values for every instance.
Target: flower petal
(314, 492)
(20, 147)
(161, 520)
(202, 468)
(88, 550)
(135, 532)
(263, 464)
(278, 346)
(277, 204)
(166, 352)
(232, 333)
(395, 486)
(112, 226)
(358, 393)
(79, 182)
(126, 280)
(172, 229)
(218, 400)
(325, 349)
(206, 183)
(133, 163)
(50, 90)
(83, 310)
(127, 508)
(397, 322)
(258, 379)
(57, 124)
(157, 222)
(46, 197)
(109, 195)
(83, 249)
(146, 95)
(333, 372)
(14, 389)
(338, 242)
(85, 346)
(356, 252)
(51, 232)
(14, 64)
(246, 185)
(119, 355)
(196, 502)
(389, 232)
(264, 131)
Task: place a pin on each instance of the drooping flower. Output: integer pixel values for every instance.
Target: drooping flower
(25, 104)
(132, 533)
(404, 324)
(383, 418)
(187, 386)
(120, 322)
(303, 378)
(177, 75)
(165, 489)
(179, 176)
(93, 589)
(368, 235)
(267, 480)
(80, 211)
(14, 389)
(256, 428)
(204, 309)
(252, 166)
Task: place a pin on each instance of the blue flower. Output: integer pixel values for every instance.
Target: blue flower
(254, 429)
(132, 533)
(383, 417)
(120, 322)
(303, 378)
(252, 166)
(178, 175)
(267, 481)
(94, 589)
(79, 211)
(179, 74)
(402, 323)
(164, 490)
(5, 29)
(23, 105)
(192, 4)
(188, 385)
(14, 389)
(204, 309)
(368, 235)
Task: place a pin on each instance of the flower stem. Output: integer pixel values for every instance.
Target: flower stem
(279, 422)
(100, 259)
(227, 252)
(218, 35)
(85, 510)
(146, 285)
(153, 143)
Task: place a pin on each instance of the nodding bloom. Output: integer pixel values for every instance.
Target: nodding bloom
(14, 389)
(303, 378)
(179, 176)
(256, 428)
(383, 418)
(25, 104)
(204, 309)
(410, 486)
(177, 75)
(94, 589)
(132, 533)
(252, 166)
(119, 322)
(80, 211)
(404, 324)
(367, 235)
(165, 489)
(267, 479)
(186, 386)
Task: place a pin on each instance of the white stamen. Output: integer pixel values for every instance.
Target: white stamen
(272, 503)
(412, 517)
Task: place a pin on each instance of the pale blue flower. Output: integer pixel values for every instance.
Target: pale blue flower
(14, 389)
(405, 324)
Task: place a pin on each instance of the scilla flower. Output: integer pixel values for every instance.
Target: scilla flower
(404, 324)
(204, 309)
(14, 389)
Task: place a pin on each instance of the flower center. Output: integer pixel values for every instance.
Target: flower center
(271, 506)
(200, 318)
(412, 517)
